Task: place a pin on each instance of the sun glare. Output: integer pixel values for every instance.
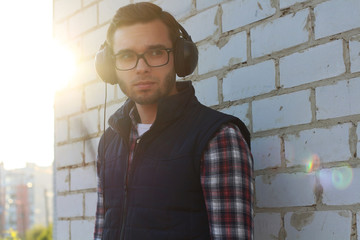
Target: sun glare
(28, 98)
(61, 65)
(33, 67)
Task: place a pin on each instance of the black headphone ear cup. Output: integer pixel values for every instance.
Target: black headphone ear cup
(104, 65)
(186, 57)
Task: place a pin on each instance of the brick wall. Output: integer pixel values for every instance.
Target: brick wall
(290, 69)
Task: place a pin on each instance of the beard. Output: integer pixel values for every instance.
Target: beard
(146, 97)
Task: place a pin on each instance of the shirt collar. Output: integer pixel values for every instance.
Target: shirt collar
(134, 116)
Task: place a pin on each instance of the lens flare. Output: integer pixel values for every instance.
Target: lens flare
(312, 163)
(342, 177)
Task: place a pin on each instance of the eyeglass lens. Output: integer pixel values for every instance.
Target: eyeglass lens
(154, 58)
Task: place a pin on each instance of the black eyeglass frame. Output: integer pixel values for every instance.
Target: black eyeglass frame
(168, 50)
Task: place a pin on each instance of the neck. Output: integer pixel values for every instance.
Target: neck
(147, 113)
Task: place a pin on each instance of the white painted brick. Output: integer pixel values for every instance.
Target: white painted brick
(62, 180)
(74, 45)
(249, 81)
(266, 152)
(211, 57)
(83, 21)
(240, 13)
(201, 4)
(92, 41)
(288, 3)
(87, 2)
(69, 154)
(322, 225)
(85, 124)
(111, 90)
(202, 25)
(358, 137)
(207, 91)
(177, 8)
(82, 229)
(355, 55)
(60, 31)
(240, 111)
(341, 99)
(336, 16)
(61, 130)
(267, 226)
(327, 145)
(85, 72)
(340, 185)
(119, 93)
(108, 8)
(282, 111)
(279, 34)
(110, 110)
(70, 205)
(285, 190)
(91, 147)
(64, 8)
(313, 64)
(62, 230)
(90, 204)
(83, 178)
(68, 103)
(95, 94)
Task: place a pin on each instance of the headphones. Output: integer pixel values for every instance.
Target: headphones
(185, 58)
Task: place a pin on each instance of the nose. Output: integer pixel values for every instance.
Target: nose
(142, 66)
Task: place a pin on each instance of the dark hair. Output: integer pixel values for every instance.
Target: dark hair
(142, 12)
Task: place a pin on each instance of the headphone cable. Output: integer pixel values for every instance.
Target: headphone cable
(104, 149)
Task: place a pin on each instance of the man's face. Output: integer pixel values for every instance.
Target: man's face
(145, 84)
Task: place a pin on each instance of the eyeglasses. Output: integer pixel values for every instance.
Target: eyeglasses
(127, 60)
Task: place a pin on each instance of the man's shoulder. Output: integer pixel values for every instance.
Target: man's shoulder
(225, 122)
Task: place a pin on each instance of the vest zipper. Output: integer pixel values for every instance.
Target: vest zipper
(124, 215)
(125, 202)
(126, 177)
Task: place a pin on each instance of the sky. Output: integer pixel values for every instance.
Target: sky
(31, 68)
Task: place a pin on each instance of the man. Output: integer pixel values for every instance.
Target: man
(168, 167)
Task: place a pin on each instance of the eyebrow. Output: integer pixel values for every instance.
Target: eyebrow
(157, 46)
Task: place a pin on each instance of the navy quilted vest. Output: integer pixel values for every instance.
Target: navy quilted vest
(161, 196)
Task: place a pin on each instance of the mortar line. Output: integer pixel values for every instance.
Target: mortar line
(353, 139)
(282, 231)
(248, 46)
(312, 25)
(277, 73)
(220, 90)
(346, 55)
(282, 152)
(250, 116)
(353, 163)
(313, 104)
(69, 229)
(354, 233)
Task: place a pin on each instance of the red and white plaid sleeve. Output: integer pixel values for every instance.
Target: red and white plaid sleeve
(226, 178)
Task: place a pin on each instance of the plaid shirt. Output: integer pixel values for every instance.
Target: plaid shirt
(226, 178)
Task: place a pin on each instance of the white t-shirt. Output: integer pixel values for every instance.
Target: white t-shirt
(143, 128)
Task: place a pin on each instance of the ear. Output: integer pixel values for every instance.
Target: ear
(104, 64)
(186, 56)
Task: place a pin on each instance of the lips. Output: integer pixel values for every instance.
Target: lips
(144, 85)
